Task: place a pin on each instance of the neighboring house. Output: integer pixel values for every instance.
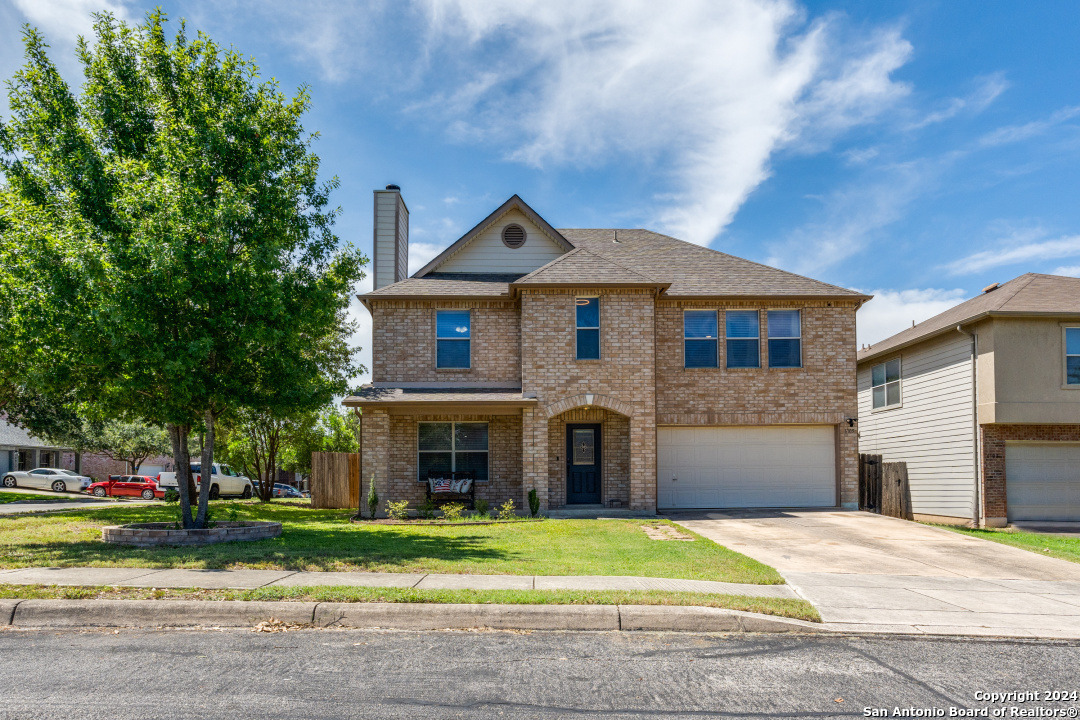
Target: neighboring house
(983, 404)
(21, 451)
(610, 367)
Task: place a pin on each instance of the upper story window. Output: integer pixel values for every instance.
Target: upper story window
(588, 328)
(785, 339)
(1072, 356)
(885, 378)
(700, 343)
(741, 328)
(452, 333)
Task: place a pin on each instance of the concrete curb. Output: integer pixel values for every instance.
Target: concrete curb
(156, 613)
(398, 616)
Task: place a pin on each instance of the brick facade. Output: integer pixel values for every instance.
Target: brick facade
(992, 441)
(638, 383)
(403, 342)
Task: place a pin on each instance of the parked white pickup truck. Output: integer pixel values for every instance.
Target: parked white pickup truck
(223, 481)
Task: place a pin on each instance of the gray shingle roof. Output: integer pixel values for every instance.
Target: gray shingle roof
(449, 285)
(13, 436)
(693, 270)
(369, 394)
(582, 266)
(610, 256)
(1030, 294)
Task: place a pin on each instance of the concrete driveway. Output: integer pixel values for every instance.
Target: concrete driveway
(866, 571)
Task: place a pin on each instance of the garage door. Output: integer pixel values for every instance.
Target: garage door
(1042, 481)
(770, 466)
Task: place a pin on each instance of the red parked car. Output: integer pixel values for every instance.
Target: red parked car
(142, 486)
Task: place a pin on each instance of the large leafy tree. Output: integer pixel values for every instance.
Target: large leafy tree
(166, 246)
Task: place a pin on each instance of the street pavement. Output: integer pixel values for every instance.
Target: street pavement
(54, 501)
(317, 674)
(868, 572)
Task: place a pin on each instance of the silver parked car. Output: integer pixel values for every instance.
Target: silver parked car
(47, 479)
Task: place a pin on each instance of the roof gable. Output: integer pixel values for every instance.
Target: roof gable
(481, 249)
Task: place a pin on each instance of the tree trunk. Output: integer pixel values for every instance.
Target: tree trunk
(178, 436)
(206, 475)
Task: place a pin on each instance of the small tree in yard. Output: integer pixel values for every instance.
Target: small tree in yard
(372, 498)
(166, 247)
(256, 441)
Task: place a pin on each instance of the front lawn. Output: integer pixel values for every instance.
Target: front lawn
(10, 497)
(326, 540)
(784, 607)
(1058, 546)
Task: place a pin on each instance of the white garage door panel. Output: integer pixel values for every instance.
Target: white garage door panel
(774, 466)
(1042, 481)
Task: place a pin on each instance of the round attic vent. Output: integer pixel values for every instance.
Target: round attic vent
(513, 236)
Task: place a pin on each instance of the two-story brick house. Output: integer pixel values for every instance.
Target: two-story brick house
(611, 367)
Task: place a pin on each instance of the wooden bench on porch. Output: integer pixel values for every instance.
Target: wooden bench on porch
(444, 487)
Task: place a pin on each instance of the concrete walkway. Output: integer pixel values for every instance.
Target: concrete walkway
(871, 573)
(246, 579)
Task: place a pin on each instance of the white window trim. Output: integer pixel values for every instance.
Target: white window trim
(1065, 355)
(599, 332)
(715, 339)
(899, 381)
(455, 339)
(727, 356)
(769, 337)
(453, 451)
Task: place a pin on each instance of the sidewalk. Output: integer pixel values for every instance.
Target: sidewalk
(247, 579)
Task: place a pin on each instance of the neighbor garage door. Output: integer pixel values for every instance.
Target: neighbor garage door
(768, 466)
(1042, 481)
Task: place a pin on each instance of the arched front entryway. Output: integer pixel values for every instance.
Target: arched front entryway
(588, 452)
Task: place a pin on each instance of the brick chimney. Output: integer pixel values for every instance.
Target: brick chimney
(391, 247)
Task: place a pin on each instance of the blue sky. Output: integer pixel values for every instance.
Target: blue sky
(917, 151)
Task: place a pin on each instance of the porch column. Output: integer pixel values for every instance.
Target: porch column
(374, 453)
(643, 462)
(534, 456)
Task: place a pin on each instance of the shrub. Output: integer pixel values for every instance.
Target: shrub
(452, 511)
(507, 511)
(372, 498)
(482, 506)
(534, 503)
(426, 509)
(172, 496)
(398, 510)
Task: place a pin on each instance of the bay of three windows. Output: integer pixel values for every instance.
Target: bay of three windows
(742, 338)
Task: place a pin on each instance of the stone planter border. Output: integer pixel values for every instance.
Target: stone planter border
(163, 533)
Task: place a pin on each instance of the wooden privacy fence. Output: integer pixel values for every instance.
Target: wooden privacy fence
(883, 487)
(335, 480)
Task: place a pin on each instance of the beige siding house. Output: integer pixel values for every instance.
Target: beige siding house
(983, 404)
(614, 368)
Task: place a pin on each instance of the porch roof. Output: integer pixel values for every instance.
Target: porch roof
(371, 396)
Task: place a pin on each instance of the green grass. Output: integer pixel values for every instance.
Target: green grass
(799, 609)
(10, 497)
(326, 540)
(1057, 546)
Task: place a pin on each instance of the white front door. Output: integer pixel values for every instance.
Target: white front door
(1042, 481)
(746, 466)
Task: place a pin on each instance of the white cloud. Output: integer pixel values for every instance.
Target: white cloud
(851, 216)
(1022, 247)
(1017, 133)
(989, 88)
(708, 91)
(65, 20)
(894, 310)
(421, 253)
(1069, 270)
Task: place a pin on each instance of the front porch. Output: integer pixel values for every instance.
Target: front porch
(512, 445)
